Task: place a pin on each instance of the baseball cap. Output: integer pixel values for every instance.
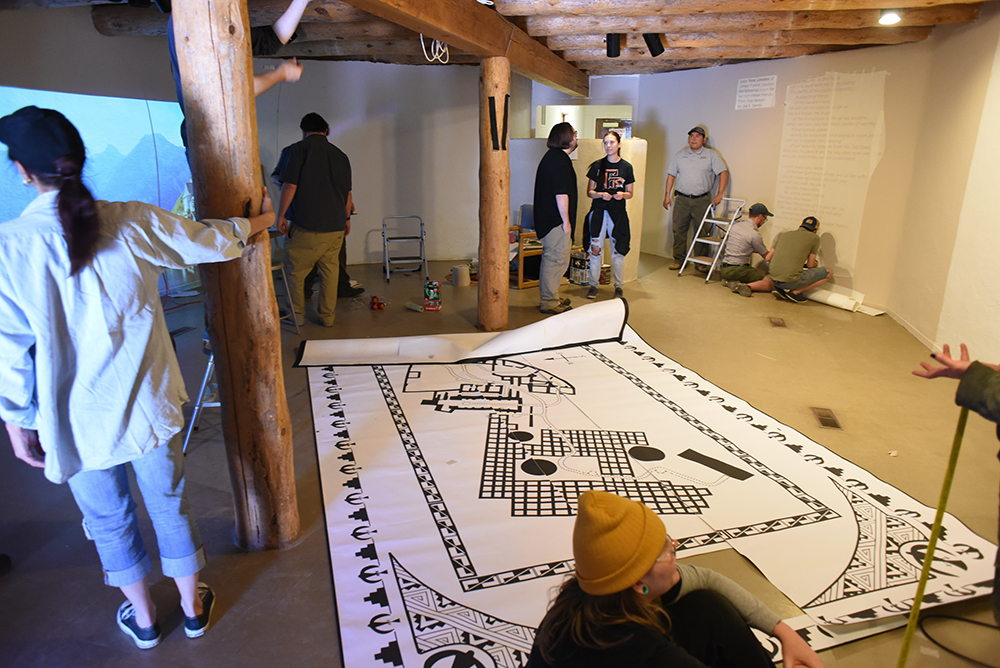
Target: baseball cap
(38, 137)
(810, 223)
(758, 209)
(699, 129)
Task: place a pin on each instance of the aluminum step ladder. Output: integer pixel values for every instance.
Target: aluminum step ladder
(391, 237)
(713, 231)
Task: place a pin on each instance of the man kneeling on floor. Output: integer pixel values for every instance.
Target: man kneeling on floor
(744, 240)
(794, 267)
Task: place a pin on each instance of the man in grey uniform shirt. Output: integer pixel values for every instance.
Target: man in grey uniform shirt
(692, 171)
(744, 240)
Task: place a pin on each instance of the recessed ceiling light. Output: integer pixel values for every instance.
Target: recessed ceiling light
(889, 17)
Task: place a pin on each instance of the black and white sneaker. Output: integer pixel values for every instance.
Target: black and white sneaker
(619, 294)
(144, 638)
(194, 627)
(795, 297)
(592, 292)
(780, 294)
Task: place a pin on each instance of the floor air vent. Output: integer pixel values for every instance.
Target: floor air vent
(826, 418)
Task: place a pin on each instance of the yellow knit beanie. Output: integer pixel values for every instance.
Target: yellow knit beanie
(615, 542)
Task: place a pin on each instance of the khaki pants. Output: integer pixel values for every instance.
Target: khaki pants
(304, 250)
(555, 261)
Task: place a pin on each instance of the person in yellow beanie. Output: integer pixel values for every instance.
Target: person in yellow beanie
(631, 604)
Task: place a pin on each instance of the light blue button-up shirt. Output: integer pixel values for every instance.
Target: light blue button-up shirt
(695, 171)
(87, 359)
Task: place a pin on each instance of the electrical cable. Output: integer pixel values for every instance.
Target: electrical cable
(439, 51)
(951, 651)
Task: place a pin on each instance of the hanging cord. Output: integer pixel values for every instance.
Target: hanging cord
(439, 51)
(951, 651)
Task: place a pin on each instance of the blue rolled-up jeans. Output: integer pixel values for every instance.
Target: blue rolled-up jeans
(109, 517)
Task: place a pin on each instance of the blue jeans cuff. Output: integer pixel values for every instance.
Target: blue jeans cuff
(184, 566)
(130, 575)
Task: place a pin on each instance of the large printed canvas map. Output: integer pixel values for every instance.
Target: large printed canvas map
(450, 481)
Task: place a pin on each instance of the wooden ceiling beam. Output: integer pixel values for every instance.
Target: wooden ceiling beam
(122, 20)
(548, 26)
(355, 47)
(638, 8)
(864, 36)
(473, 28)
(656, 66)
(456, 59)
(582, 56)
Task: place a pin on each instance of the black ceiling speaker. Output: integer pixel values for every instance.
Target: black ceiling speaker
(653, 43)
(614, 41)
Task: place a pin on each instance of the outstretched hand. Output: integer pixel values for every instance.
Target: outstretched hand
(290, 70)
(795, 651)
(26, 445)
(266, 206)
(948, 368)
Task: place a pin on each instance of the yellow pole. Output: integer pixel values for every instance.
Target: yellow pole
(949, 475)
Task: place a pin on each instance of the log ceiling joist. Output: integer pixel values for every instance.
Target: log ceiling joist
(473, 28)
(560, 42)
(545, 26)
(652, 7)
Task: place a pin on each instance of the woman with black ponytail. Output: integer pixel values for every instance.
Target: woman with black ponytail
(88, 378)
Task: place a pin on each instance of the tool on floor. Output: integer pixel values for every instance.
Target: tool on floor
(949, 475)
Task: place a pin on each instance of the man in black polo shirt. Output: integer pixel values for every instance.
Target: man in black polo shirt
(318, 178)
(555, 212)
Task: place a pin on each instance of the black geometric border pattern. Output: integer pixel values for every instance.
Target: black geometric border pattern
(458, 554)
(439, 622)
(860, 496)
(370, 569)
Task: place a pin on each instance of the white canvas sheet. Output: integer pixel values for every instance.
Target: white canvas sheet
(450, 492)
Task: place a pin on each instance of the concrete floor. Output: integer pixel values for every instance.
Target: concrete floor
(276, 608)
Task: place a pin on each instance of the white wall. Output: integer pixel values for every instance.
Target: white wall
(412, 134)
(934, 104)
(971, 310)
(59, 49)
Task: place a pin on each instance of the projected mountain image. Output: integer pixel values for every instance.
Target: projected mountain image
(134, 150)
(156, 177)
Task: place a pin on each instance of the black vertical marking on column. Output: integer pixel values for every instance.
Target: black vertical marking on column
(493, 123)
(506, 112)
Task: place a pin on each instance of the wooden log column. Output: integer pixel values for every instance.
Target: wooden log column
(213, 52)
(494, 194)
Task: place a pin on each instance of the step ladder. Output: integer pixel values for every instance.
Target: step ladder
(713, 231)
(399, 235)
(201, 402)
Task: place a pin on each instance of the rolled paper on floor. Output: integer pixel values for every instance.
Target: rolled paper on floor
(460, 276)
(831, 298)
(415, 307)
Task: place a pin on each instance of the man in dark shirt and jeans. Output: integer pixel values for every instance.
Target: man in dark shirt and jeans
(318, 178)
(555, 212)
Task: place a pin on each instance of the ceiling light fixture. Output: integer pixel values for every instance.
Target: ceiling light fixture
(653, 43)
(889, 17)
(614, 41)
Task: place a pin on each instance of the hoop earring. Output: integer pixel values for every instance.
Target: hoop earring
(645, 589)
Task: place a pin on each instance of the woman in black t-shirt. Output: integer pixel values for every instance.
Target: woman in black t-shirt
(610, 183)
